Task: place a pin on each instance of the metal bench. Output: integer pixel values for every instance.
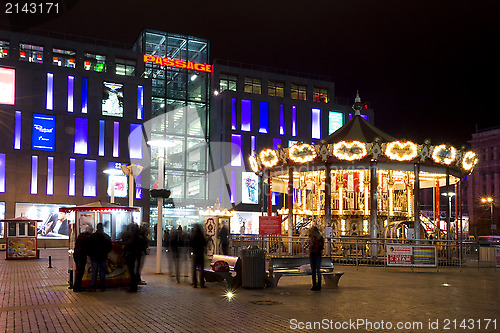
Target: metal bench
(279, 267)
(232, 278)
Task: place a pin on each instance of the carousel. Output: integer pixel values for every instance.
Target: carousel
(360, 181)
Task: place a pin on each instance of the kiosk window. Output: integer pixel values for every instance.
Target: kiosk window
(12, 229)
(31, 229)
(22, 229)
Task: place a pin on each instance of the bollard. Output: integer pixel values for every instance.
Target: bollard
(70, 271)
(50, 261)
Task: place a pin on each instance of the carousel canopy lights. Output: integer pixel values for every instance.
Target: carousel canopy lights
(469, 161)
(254, 164)
(444, 154)
(269, 158)
(217, 212)
(401, 151)
(349, 151)
(302, 153)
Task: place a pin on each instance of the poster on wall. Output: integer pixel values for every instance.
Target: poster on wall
(119, 180)
(7, 85)
(399, 255)
(270, 225)
(43, 135)
(54, 223)
(244, 223)
(249, 188)
(112, 99)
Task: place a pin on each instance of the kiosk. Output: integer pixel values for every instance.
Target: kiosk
(114, 219)
(21, 240)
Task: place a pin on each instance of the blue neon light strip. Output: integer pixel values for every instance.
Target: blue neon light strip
(72, 177)
(85, 84)
(101, 137)
(233, 186)
(316, 124)
(235, 150)
(2, 172)
(50, 175)
(89, 178)
(234, 122)
(71, 93)
(116, 137)
(81, 136)
(140, 102)
(246, 115)
(276, 198)
(34, 174)
(17, 130)
(294, 120)
(50, 91)
(282, 120)
(263, 117)
(252, 145)
(135, 141)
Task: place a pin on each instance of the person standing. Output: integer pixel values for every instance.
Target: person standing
(99, 247)
(175, 244)
(80, 254)
(316, 246)
(135, 244)
(198, 244)
(224, 239)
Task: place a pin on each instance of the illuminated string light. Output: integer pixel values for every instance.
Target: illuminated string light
(269, 158)
(302, 153)
(349, 151)
(401, 151)
(254, 164)
(469, 161)
(443, 154)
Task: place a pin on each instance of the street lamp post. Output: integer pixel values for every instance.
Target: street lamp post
(490, 201)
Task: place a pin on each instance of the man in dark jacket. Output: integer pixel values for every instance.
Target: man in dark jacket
(80, 257)
(99, 247)
(135, 244)
(198, 244)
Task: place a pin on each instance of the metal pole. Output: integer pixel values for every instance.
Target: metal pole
(373, 207)
(328, 208)
(416, 203)
(290, 209)
(130, 189)
(113, 185)
(270, 198)
(159, 226)
(448, 227)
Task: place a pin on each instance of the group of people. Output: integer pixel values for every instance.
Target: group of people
(95, 245)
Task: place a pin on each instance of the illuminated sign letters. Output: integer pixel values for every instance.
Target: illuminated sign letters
(177, 63)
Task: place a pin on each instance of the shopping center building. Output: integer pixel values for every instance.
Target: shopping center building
(75, 107)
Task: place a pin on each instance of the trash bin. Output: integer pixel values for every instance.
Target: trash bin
(253, 261)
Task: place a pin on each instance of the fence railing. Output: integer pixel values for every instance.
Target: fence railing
(372, 252)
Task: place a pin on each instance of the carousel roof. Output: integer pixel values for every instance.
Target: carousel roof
(358, 129)
(360, 141)
(97, 206)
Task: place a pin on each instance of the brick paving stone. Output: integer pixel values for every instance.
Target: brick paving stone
(35, 298)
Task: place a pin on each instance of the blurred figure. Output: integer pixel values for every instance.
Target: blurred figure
(224, 239)
(176, 242)
(135, 245)
(99, 247)
(198, 244)
(144, 241)
(80, 254)
(316, 246)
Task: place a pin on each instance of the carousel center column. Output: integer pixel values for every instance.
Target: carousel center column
(416, 203)
(328, 207)
(373, 208)
(290, 208)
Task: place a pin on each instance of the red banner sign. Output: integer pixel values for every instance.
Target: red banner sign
(270, 225)
(399, 255)
(178, 63)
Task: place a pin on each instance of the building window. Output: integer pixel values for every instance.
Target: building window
(63, 58)
(253, 86)
(282, 120)
(89, 178)
(236, 156)
(81, 136)
(72, 177)
(135, 144)
(94, 62)
(294, 120)
(17, 130)
(263, 117)
(320, 95)
(140, 102)
(34, 174)
(298, 92)
(4, 49)
(276, 89)
(31, 53)
(234, 121)
(125, 67)
(101, 137)
(85, 85)
(71, 93)
(2, 172)
(246, 115)
(227, 82)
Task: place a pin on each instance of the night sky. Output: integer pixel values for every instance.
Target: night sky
(429, 69)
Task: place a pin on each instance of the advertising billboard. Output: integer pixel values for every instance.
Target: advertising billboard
(249, 188)
(43, 136)
(112, 99)
(118, 179)
(7, 85)
(54, 224)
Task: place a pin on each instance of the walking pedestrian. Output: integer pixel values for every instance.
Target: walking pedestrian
(135, 245)
(99, 247)
(176, 241)
(80, 254)
(224, 239)
(316, 246)
(198, 244)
